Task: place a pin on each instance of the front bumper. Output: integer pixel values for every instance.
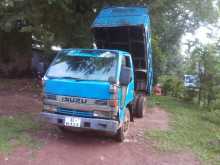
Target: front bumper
(86, 123)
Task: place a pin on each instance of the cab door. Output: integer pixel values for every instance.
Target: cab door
(127, 92)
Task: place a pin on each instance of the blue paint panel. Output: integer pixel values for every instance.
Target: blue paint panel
(85, 89)
(119, 21)
(122, 11)
(122, 16)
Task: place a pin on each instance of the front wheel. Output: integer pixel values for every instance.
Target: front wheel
(62, 128)
(123, 130)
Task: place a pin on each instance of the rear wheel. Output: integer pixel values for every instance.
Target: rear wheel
(134, 107)
(123, 130)
(141, 107)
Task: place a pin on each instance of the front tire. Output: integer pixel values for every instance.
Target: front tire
(123, 130)
(62, 128)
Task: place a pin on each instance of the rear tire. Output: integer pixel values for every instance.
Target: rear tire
(134, 110)
(141, 107)
(123, 130)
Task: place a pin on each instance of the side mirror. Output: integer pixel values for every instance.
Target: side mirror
(125, 76)
(40, 68)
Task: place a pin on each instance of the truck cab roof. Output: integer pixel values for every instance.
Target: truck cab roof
(94, 52)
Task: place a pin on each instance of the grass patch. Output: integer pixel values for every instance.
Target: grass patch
(15, 131)
(191, 128)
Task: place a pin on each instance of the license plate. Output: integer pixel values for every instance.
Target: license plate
(72, 122)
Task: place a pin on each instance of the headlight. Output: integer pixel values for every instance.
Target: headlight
(113, 103)
(101, 102)
(43, 80)
(50, 108)
(50, 97)
(103, 114)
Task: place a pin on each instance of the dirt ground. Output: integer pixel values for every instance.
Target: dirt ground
(86, 148)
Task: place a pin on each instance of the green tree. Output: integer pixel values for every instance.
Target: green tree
(205, 62)
(67, 23)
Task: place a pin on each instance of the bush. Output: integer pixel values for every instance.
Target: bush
(171, 85)
(189, 94)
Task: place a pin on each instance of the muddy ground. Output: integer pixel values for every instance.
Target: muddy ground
(86, 148)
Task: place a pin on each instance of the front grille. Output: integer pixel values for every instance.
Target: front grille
(77, 113)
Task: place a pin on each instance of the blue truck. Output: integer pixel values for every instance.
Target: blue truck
(103, 89)
(191, 81)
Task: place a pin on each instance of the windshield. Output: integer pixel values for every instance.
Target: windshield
(100, 67)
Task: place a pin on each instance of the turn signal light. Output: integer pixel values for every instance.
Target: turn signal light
(113, 103)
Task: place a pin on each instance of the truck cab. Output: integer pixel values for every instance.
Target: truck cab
(90, 89)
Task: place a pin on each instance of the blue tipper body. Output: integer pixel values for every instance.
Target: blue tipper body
(83, 88)
(116, 17)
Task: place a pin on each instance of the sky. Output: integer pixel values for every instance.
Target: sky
(205, 34)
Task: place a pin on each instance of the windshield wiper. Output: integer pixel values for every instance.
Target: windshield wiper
(68, 77)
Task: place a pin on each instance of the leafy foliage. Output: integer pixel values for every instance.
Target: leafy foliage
(171, 85)
(67, 23)
(205, 62)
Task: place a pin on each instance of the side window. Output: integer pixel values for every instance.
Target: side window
(128, 62)
(123, 61)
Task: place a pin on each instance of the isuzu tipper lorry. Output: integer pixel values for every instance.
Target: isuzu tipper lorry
(103, 89)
